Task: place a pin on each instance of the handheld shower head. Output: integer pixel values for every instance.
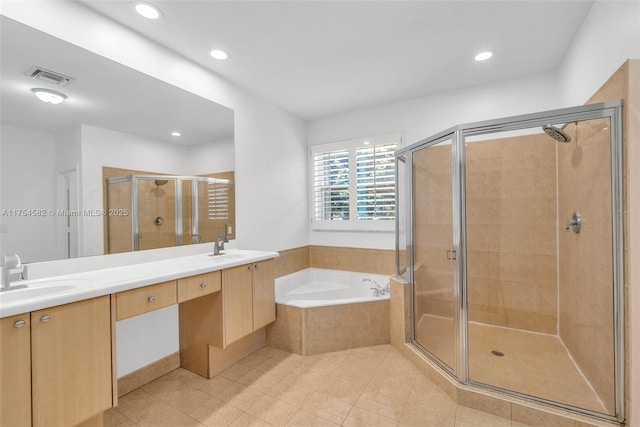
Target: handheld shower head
(557, 133)
(160, 182)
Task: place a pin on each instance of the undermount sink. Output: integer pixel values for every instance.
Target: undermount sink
(40, 289)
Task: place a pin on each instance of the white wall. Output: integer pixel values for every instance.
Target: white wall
(208, 157)
(420, 118)
(609, 36)
(27, 181)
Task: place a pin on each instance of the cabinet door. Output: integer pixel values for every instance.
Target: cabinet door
(264, 294)
(15, 371)
(71, 362)
(237, 303)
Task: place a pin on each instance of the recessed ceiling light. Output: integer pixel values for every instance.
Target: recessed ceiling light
(148, 10)
(175, 133)
(483, 56)
(367, 142)
(49, 96)
(219, 54)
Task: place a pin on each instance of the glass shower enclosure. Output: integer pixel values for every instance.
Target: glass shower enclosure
(510, 233)
(155, 211)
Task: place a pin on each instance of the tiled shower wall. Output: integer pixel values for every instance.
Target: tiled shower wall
(511, 232)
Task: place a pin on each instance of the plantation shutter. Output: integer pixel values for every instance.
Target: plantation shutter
(375, 182)
(218, 201)
(331, 185)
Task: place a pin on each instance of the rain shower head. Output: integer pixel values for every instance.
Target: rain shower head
(160, 182)
(557, 133)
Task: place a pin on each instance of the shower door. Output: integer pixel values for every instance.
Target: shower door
(434, 257)
(540, 289)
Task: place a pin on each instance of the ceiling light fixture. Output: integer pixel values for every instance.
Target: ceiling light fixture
(219, 54)
(483, 56)
(148, 10)
(49, 96)
(175, 133)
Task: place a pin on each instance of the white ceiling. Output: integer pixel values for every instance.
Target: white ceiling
(104, 93)
(321, 58)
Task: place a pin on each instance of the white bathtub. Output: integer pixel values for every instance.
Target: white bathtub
(317, 287)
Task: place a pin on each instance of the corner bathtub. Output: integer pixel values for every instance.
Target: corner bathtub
(319, 310)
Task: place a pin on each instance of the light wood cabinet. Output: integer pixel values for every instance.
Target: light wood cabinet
(15, 370)
(142, 300)
(71, 362)
(55, 365)
(248, 293)
(264, 294)
(237, 305)
(197, 286)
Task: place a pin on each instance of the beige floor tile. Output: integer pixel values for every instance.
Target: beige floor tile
(303, 418)
(388, 408)
(114, 418)
(216, 385)
(292, 392)
(188, 377)
(418, 416)
(359, 417)
(334, 356)
(248, 420)
(273, 411)
(467, 417)
(235, 372)
(146, 410)
(328, 407)
(240, 396)
(216, 413)
(177, 394)
(346, 390)
(260, 380)
(254, 360)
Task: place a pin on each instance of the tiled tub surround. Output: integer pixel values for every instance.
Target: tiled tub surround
(322, 310)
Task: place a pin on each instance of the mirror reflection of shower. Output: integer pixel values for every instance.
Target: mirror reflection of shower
(167, 210)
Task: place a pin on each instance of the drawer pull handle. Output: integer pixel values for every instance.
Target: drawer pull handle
(151, 298)
(19, 324)
(45, 318)
(203, 285)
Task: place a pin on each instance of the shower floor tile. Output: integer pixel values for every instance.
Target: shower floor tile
(531, 363)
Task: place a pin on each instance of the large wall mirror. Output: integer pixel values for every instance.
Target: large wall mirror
(64, 168)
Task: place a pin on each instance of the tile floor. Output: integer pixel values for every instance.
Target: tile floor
(533, 364)
(370, 386)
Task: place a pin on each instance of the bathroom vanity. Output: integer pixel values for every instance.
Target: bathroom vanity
(57, 359)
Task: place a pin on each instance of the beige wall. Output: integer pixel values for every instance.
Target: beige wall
(585, 258)
(511, 232)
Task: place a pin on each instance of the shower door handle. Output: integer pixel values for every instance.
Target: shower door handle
(451, 254)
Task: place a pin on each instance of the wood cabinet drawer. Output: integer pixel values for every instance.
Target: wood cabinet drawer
(197, 286)
(142, 300)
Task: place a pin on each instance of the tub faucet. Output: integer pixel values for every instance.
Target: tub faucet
(378, 290)
(218, 245)
(9, 263)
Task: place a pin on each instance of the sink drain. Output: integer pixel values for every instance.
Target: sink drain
(497, 353)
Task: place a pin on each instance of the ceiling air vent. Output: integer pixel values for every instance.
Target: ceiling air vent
(48, 76)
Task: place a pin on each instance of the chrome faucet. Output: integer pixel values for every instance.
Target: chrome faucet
(378, 290)
(218, 245)
(9, 263)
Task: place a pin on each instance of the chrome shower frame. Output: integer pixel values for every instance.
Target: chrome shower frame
(458, 134)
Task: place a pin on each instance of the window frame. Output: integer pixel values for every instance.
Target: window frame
(353, 223)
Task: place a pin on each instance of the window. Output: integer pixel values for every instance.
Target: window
(353, 184)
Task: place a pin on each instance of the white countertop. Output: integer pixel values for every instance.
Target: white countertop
(58, 290)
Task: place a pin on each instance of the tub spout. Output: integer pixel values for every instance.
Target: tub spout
(378, 290)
